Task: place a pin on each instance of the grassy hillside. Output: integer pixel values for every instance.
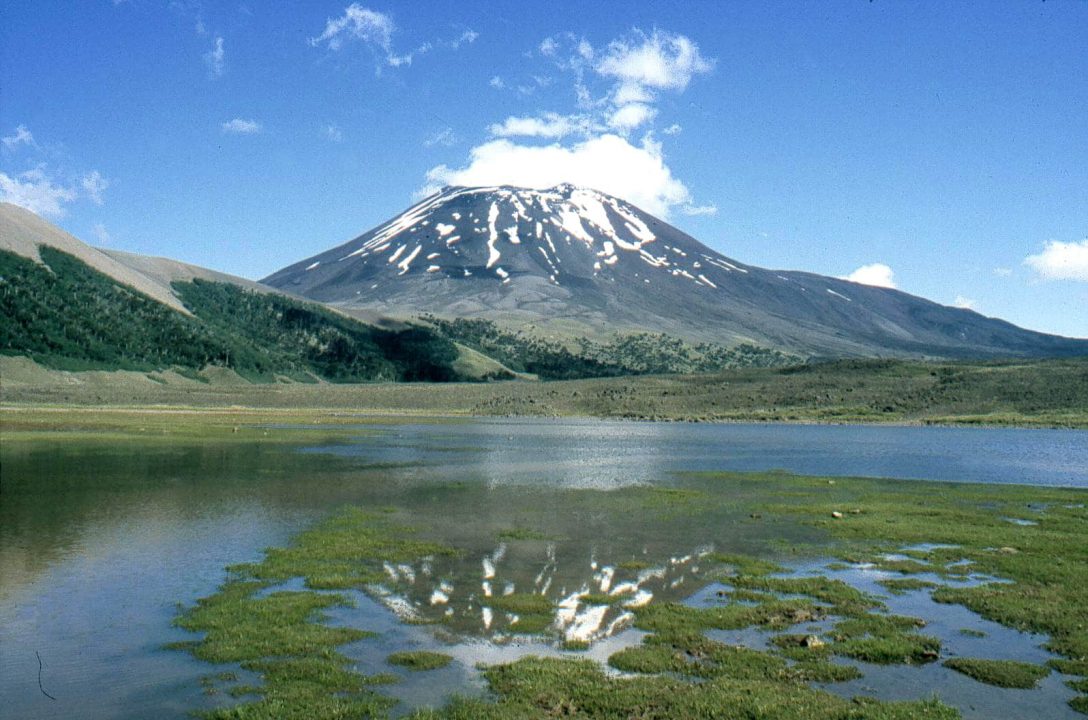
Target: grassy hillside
(66, 315)
(634, 354)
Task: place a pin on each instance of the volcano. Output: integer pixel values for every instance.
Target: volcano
(579, 262)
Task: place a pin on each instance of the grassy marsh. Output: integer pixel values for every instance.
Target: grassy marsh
(1024, 576)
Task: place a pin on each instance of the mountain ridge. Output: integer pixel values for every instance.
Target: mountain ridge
(575, 260)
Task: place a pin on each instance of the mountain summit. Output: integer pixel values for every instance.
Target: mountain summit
(584, 262)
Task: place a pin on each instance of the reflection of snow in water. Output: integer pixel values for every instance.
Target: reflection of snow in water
(577, 615)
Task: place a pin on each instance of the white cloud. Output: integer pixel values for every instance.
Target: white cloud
(660, 60)
(965, 303)
(375, 29)
(357, 22)
(548, 125)
(1061, 261)
(333, 133)
(673, 129)
(1003, 271)
(636, 173)
(37, 192)
(101, 234)
(631, 116)
(631, 93)
(241, 126)
(591, 147)
(876, 274)
(21, 136)
(215, 59)
(467, 38)
(444, 137)
(699, 209)
(94, 185)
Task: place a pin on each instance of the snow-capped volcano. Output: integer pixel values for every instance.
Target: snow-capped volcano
(561, 233)
(585, 262)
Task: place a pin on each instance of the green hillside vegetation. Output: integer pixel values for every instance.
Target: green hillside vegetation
(66, 315)
(634, 354)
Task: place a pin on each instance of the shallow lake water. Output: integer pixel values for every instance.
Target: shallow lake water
(99, 543)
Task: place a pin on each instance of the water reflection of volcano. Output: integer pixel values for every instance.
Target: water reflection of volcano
(526, 588)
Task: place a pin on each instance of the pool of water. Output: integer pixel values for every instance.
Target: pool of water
(100, 542)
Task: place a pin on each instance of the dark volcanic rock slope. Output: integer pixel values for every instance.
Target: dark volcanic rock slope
(581, 261)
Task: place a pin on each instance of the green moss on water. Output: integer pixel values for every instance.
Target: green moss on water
(419, 660)
(698, 656)
(842, 598)
(743, 564)
(521, 533)
(633, 565)
(892, 649)
(238, 625)
(1047, 564)
(281, 635)
(604, 598)
(522, 604)
(679, 671)
(544, 688)
(901, 586)
(345, 552)
(1002, 673)
(678, 619)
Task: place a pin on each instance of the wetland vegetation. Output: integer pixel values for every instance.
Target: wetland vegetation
(945, 540)
(444, 570)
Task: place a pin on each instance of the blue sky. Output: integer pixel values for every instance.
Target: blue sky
(941, 147)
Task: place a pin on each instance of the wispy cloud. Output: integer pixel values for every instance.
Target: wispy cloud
(547, 125)
(375, 30)
(359, 23)
(1061, 261)
(876, 274)
(44, 190)
(699, 209)
(617, 89)
(94, 185)
(21, 136)
(444, 137)
(241, 126)
(332, 133)
(215, 59)
(965, 303)
(466, 38)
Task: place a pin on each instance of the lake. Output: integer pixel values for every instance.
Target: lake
(100, 541)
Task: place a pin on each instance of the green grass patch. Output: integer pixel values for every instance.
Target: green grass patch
(522, 604)
(543, 688)
(419, 660)
(1002, 673)
(901, 586)
(281, 635)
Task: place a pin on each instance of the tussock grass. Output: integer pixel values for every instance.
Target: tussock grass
(1002, 673)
